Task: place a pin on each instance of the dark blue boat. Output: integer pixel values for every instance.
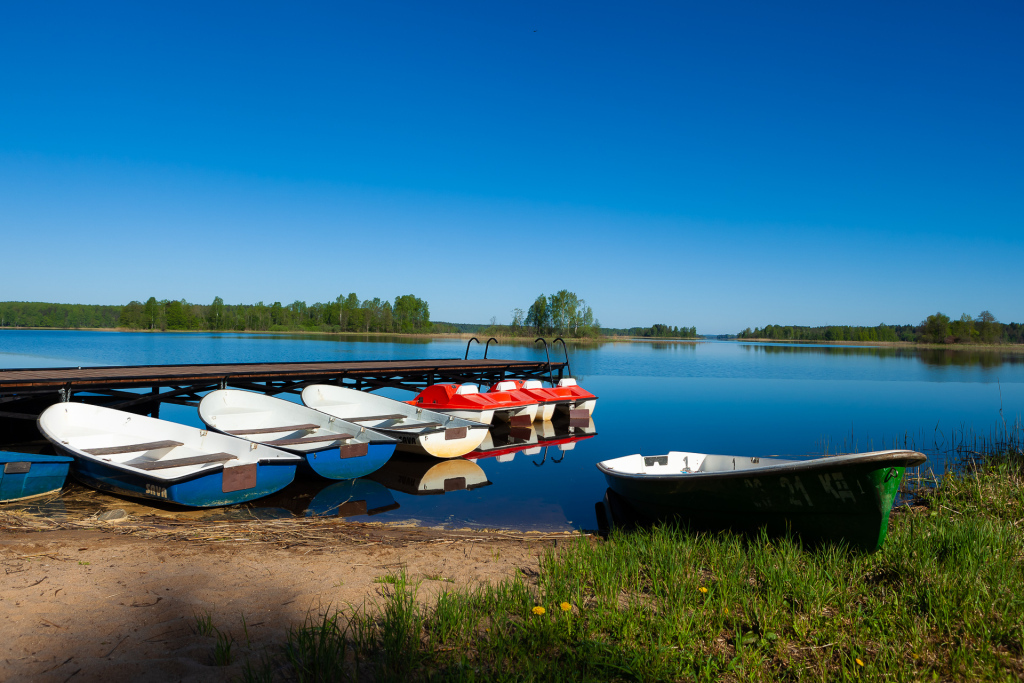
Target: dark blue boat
(25, 475)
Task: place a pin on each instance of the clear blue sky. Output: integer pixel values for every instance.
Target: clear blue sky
(716, 164)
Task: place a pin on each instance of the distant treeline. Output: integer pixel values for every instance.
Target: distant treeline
(407, 314)
(38, 314)
(655, 331)
(935, 329)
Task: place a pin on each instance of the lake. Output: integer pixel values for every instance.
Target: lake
(717, 397)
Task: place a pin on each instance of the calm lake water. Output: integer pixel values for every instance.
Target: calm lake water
(718, 397)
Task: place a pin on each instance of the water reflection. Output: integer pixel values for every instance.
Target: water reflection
(503, 443)
(319, 497)
(985, 358)
(422, 475)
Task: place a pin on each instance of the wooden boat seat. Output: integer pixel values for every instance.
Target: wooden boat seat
(396, 416)
(270, 430)
(133, 448)
(418, 425)
(149, 465)
(308, 439)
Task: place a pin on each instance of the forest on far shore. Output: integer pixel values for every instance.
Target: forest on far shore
(563, 313)
(935, 329)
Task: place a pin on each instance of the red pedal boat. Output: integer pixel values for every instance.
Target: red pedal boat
(466, 401)
(566, 397)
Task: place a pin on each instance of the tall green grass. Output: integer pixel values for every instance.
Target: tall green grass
(942, 600)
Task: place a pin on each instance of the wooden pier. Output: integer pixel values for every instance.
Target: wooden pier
(142, 388)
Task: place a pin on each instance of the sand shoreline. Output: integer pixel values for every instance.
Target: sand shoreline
(120, 600)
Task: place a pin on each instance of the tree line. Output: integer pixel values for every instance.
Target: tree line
(406, 314)
(935, 329)
(40, 314)
(659, 331)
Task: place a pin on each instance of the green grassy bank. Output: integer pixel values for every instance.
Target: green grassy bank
(943, 600)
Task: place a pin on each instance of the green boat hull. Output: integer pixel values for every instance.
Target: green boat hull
(822, 500)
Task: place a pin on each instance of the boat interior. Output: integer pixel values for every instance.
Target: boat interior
(680, 462)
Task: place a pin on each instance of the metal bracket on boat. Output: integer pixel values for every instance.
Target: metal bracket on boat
(492, 339)
(566, 352)
(471, 340)
(223, 382)
(551, 375)
(65, 393)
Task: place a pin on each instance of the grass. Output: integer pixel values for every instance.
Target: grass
(942, 600)
(202, 624)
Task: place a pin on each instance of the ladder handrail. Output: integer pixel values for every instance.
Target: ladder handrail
(551, 375)
(492, 339)
(566, 352)
(471, 340)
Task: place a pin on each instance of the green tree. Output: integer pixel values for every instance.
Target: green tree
(177, 318)
(538, 317)
(936, 328)
(518, 318)
(215, 316)
(132, 316)
(151, 312)
(987, 327)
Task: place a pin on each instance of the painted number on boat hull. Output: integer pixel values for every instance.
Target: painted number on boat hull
(837, 486)
(795, 487)
(761, 499)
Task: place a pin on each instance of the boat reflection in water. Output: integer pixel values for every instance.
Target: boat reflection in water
(348, 498)
(422, 475)
(504, 442)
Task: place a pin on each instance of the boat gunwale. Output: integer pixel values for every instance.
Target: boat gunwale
(414, 410)
(895, 458)
(285, 459)
(34, 458)
(357, 428)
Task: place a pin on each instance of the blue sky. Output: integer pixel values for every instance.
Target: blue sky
(712, 164)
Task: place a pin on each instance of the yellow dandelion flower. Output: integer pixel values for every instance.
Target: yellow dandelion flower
(859, 663)
(565, 607)
(726, 610)
(702, 589)
(538, 610)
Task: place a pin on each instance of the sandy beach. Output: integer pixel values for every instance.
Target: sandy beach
(91, 601)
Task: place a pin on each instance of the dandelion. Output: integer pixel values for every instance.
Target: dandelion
(538, 610)
(702, 589)
(726, 610)
(566, 607)
(859, 663)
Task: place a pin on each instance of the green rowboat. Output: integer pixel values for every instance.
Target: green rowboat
(831, 498)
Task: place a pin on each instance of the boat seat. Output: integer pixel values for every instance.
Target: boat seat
(567, 382)
(308, 439)
(270, 430)
(418, 425)
(133, 448)
(467, 389)
(149, 465)
(396, 416)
